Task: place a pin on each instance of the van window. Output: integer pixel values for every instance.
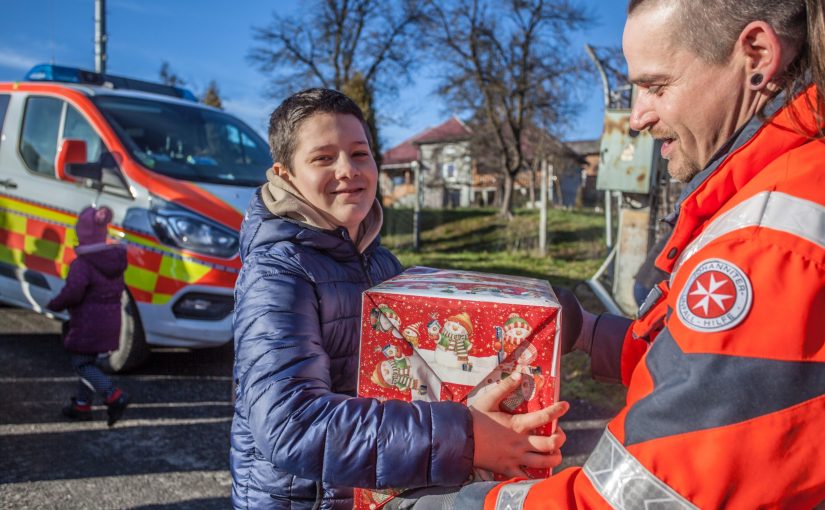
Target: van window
(78, 128)
(38, 143)
(188, 142)
(4, 104)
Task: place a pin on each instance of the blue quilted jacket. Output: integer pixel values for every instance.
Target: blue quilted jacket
(300, 439)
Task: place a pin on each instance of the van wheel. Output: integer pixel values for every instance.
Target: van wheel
(133, 350)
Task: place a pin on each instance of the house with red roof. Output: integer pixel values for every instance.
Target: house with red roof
(451, 176)
(445, 164)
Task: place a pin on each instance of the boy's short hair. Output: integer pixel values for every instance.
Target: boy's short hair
(288, 116)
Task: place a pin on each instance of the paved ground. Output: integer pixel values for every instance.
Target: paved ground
(169, 451)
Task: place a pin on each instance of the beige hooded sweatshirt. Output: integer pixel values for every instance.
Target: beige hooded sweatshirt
(281, 198)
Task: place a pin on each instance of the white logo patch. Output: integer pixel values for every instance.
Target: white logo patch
(718, 296)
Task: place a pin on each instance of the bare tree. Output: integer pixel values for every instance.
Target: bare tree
(168, 76)
(363, 48)
(509, 65)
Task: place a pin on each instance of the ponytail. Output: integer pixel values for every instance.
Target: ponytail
(816, 59)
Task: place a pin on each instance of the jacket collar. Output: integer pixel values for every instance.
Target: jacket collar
(765, 137)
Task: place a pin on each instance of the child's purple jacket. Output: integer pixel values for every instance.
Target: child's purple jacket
(92, 294)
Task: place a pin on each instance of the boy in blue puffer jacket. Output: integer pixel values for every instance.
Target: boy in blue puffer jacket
(309, 244)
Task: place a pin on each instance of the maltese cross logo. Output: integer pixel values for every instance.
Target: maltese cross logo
(717, 296)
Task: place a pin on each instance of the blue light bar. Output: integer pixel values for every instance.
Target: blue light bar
(51, 72)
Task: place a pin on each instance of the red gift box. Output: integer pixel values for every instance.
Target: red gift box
(432, 334)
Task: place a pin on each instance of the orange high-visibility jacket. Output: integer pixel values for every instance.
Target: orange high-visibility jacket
(726, 408)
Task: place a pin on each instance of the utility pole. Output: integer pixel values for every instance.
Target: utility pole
(100, 36)
(543, 208)
(417, 206)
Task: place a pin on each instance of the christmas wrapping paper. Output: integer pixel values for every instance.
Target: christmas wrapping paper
(431, 334)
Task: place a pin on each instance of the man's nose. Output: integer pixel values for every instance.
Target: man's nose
(642, 115)
(347, 168)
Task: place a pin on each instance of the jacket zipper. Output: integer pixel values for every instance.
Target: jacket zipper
(362, 256)
(364, 266)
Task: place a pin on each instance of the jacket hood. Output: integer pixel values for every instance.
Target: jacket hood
(299, 223)
(282, 199)
(261, 228)
(109, 259)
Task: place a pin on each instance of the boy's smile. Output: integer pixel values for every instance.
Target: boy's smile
(333, 168)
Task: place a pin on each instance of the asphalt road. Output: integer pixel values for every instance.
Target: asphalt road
(169, 451)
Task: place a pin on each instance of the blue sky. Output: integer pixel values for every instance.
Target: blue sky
(209, 39)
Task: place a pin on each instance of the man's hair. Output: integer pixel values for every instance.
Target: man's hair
(710, 29)
(288, 116)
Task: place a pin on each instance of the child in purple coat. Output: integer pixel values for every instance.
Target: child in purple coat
(92, 295)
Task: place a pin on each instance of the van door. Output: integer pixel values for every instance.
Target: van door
(47, 207)
(9, 284)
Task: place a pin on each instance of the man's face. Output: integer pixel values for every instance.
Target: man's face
(691, 105)
(333, 168)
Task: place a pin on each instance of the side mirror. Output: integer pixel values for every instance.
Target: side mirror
(71, 152)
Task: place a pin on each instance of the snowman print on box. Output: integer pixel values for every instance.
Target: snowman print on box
(453, 346)
(383, 318)
(395, 372)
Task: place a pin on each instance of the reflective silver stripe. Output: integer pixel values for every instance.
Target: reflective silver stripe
(774, 210)
(512, 495)
(625, 483)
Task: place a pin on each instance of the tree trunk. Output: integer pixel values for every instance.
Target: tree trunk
(532, 187)
(507, 198)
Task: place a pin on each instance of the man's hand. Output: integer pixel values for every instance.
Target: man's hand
(504, 443)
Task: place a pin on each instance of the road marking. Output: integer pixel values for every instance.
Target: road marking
(51, 428)
(189, 489)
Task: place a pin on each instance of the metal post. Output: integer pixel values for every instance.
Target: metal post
(608, 219)
(417, 207)
(100, 36)
(543, 209)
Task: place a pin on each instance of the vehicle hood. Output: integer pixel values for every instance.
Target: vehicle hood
(237, 197)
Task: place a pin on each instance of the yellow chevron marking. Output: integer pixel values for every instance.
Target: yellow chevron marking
(142, 279)
(182, 270)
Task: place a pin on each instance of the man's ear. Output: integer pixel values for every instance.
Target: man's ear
(281, 170)
(764, 53)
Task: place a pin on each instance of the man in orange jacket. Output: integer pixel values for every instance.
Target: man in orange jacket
(725, 364)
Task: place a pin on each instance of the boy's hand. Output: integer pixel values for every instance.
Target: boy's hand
(504, 443)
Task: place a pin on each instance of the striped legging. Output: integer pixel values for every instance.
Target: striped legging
(92, 379)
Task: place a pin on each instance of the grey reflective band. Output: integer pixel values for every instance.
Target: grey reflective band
(625, 483)
(774, 210)
(512, 495)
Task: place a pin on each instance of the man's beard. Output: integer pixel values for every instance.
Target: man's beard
(683, 169)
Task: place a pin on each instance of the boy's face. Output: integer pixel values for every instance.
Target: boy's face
(333, 168)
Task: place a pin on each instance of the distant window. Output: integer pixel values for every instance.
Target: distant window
(78, 128)
(398, 180)
(38, 143)
(448, 171)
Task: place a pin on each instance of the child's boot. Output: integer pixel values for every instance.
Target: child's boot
(81, 411)
(116, 404)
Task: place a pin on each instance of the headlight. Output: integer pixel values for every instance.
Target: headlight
(185, 229)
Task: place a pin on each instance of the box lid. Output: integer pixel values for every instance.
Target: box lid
(469, 285)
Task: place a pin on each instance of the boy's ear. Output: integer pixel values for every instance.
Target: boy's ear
(280, 170)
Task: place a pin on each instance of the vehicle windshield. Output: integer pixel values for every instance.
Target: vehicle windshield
(187, 142)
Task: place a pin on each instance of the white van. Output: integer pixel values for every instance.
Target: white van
(177, 174)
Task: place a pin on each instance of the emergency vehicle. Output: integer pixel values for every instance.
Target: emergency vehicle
(177, 174)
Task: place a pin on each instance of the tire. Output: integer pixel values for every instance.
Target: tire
(133, 351)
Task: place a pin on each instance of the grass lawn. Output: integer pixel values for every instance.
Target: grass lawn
(478, 240)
